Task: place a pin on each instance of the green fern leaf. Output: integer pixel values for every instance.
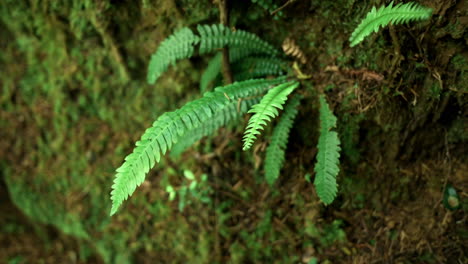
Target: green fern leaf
(326, 168)
(178, 46)
(266, 110)
(181, 45)
(275, 152)
(255, 67)
(227, 115)
(211, 72)
(172, 126)
(217, 36)
(383, 16)
(243, 68)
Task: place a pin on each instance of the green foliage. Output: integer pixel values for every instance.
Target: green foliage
(255, 67)
(328, 155)
(328, 235)
(269, 6)
(244, 67)
(179, 129)
(181, 45)
(275, 152)
(37, 208)
(218, 36)
(231, 113)
(68, 113)
(172, 126)
(266, 110)
(200, 117)
(198, 190)
(253, 239)
(178, 46)
(376, 18)
(211, 72)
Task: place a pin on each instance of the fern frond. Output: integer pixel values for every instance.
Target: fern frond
(238, 53)
(275, 152)
(217, 36)
(178, 46)
(172, 126)
(383, 16)
(255, 67)
(326, 168)
(211, 72)
(266, 110)
(227, 115)
(181, 45)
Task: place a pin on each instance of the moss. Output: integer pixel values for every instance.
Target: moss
(459, 63)
(458, 132)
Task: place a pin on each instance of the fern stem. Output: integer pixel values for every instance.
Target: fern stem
(224, 20)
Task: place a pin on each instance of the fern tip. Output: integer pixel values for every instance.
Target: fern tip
(113, 210)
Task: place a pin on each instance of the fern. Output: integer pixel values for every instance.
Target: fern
(218, 36)
(255, 67)
(266, 109)
(383, 16)
(326, 168)
(211, 72)
(172, 126)
(230, 113)
(243, 68)
(181, 45)
(178, 46)
(275, 152)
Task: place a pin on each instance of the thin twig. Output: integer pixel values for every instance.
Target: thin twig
(224, 19)
(282, 7)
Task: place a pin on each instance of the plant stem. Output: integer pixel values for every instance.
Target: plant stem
(224, 19)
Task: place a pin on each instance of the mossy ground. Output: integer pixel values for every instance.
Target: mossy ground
(74, 99)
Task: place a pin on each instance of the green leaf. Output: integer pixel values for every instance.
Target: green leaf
(230, 114)
(326, 168)
(178, 46)
(189, 175)
(383, 16)
(275, 152)
(217, 36)
(255, 67)
(266, 110)
(181, 45)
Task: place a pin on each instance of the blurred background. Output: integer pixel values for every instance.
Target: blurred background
(74, 99)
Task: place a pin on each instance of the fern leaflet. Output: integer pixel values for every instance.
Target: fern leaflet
(326, 168)
(267, 109)
(181, 45)
(243, 68)
(211, 72)
(172, 126)
(255, 67)
(275, 152)
(218, 36)
(376, 18)
(178, 46)
(230, 113)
